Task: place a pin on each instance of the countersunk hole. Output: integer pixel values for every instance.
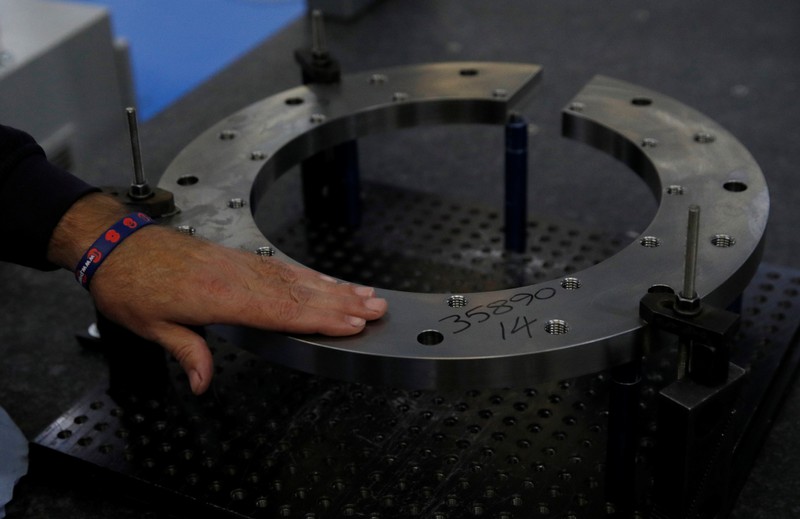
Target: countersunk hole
(399, 97)
(675, 190)
(734, 186)
(265, 251)
(468, 72)
(457, 301)
(660, 289)
(556, 327)
(704, 137)
(570, 283)
(499, 93)
(430, 337)
(649, 142)
(258, 155)
(577, 106)
(317, 118)
(650, 241)
(641, 101)
(187, 180)
(723, 240)
(227, 135)
(236, 203)
(294, 101)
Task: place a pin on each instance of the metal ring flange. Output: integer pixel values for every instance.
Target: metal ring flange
(551, 330)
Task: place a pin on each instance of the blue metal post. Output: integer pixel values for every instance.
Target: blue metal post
(516, 178)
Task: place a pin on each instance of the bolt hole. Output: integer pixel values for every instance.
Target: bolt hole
(649, 142)
(236, 203)
(675, 190)
(734, 186)
(399, 97)
(378, 79)
(556, 327)
(317, 118)
(185, 229)
(227, 135)
(641, 101)
(704, 137)
(570, 283)
(468, 72)
(258, 155)
(650, 242)
(294, 101)
(723, 240)
(430, 337)
(660, 289)
(188, 180)
(457, 301)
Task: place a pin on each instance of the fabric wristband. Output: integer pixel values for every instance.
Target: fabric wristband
(106, 243)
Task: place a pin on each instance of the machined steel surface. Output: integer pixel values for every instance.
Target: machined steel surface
(546, 331)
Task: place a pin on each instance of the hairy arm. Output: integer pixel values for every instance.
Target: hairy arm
(157, 282)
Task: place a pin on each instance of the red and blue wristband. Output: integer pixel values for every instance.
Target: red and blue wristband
(106, 243)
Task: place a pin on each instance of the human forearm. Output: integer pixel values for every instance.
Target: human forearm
(158, 283)
(80, 226)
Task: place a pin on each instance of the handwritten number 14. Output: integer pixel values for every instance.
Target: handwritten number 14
(520, 323)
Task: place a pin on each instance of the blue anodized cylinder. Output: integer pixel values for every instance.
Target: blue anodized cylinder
(516, 183)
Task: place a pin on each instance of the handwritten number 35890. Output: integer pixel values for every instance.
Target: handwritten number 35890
(482, 313)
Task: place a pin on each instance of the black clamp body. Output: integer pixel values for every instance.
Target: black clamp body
(706, 330)
(692, 469)
(318, 67)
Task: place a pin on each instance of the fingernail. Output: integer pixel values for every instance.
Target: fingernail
(376, 303)
(195, 381)
(326, 277)
(356, 322)
(364, 291)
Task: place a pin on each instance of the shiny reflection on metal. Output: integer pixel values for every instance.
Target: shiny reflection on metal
(186, 229)
(502, 337)
(266, 251)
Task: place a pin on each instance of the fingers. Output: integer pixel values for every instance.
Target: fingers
(190, 350)
(316, 312)
(285, 297)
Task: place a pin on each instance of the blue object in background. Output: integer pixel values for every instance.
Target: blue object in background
(177, 44)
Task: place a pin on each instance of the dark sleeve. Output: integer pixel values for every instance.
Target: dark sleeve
(34, 195)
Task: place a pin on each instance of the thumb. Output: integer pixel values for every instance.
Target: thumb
(191, 351)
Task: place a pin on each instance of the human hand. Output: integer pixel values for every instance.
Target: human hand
(157, 282)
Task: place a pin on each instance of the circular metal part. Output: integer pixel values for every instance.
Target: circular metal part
(551, 330)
